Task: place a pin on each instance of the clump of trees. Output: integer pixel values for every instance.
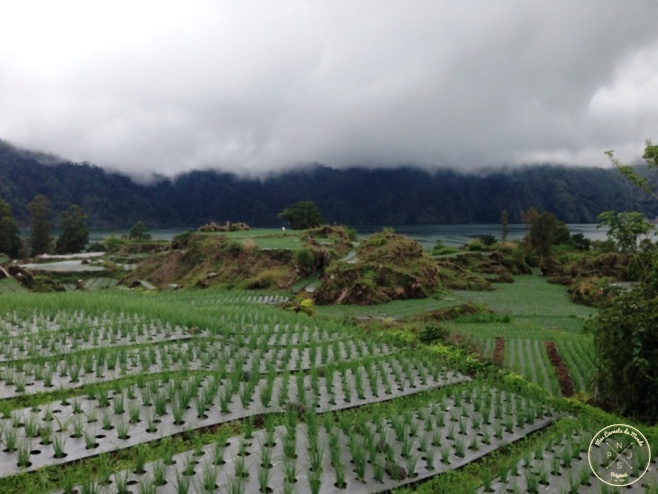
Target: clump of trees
(73, 239)
(626, 346)
(544, 232)
(302, 215)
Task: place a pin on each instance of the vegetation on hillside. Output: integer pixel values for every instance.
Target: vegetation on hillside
(354, 196)
(328, 266)
(302, 215)
(385, 266)
(394, 394)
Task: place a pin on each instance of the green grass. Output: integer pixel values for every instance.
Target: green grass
(528, 357)
(268, 238)
(529, 296)
(7, 285)
(98, 283)
(396, 309)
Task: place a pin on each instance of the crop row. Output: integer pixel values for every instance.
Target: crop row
(530, 359)
(125, 417)
(216, 298)
(44, 336)
(561, 464)
(578, 356)
(15, 323)
(27, 377)
(370, 453)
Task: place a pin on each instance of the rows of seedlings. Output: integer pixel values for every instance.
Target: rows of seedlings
(303, 380)
(578, 356)
(486, 347)
(361, 453)
(71, 327)
(255, 354)
(86, 426)
(46, 336)
(530, 359)
(561, 464)
(214, 298)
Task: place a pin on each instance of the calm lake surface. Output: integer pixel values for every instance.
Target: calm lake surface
(457, 235)
(426, 235)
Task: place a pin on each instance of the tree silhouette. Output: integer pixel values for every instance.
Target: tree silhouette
(75, 235)
(40, 238)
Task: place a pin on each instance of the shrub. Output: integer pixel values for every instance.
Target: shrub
(113, 244)
(234, 248)
(304, 305)
(626, 343)
(139, 232)
(182, 240)
(266, 278)
(304, 258)
(475, 245)
(580, 242)
(432, 332)
(352, 234)
(439, 249)
(487, 240)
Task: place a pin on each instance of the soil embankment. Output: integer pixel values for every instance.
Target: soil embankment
(567, 387)
(499, 351)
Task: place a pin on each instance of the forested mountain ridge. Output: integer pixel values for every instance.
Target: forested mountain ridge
(353, 196)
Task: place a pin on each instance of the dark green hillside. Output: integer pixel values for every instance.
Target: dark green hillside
(352, 196)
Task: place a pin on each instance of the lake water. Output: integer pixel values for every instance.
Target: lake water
(426, 235)
(457, 235)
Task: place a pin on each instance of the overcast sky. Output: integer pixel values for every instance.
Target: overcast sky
(247, 86)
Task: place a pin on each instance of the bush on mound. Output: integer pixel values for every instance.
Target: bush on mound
(388, 267)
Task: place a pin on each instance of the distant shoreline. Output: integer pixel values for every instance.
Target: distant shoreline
(426, 235)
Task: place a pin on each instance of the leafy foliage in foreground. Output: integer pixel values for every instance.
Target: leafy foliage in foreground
(626, 343)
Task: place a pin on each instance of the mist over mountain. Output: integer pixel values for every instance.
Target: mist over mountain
(353, 196)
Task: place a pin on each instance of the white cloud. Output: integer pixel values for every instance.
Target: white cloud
(252, 86)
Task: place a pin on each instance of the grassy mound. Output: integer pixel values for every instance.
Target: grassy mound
(386, 267)
(244, 259)
(215, 260)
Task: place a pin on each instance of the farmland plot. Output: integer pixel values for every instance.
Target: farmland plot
(529, 359)
(183, 378)
(540, 312)
(364, 454)
(529, 295)
(302, 404)
(8, 285)
(578, 355)
(561, 464)
(31, 364)
(111, 420)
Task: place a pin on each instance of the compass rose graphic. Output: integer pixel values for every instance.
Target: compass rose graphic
(619, 455)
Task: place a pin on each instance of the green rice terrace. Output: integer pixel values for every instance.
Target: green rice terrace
(234, 375)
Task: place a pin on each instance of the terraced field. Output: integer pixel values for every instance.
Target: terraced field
(538, 312)
(214, 391)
